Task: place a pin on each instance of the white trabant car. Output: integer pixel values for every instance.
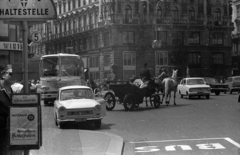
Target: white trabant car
(78, 104)
(194, 87)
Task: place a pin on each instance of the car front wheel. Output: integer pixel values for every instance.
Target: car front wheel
(207, 96)
(98, 124)
(217, 93)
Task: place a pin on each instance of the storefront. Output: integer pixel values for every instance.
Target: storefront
(10, 52)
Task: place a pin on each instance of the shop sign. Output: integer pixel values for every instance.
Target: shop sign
(11, 46)
(35, 10)
(24, 126)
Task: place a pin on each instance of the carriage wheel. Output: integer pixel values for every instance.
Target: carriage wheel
(111, 101)
(157, 101)
(136, 105)
(129, 102)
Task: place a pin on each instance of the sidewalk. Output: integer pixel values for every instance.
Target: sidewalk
(81, 142)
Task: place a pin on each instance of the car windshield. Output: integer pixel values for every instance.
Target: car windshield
(195, 81)
(211, 80)
(76, 94)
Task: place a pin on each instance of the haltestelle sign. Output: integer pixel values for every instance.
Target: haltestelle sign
(17, 10)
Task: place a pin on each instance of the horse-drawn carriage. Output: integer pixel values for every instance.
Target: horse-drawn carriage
(127, 94)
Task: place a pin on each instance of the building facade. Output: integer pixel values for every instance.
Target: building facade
(10, 45)
(191, 35)
(236, 38)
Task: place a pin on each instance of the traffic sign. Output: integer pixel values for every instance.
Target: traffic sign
(36, 37)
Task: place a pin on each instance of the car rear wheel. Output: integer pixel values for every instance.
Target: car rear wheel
(129, 102)
(98, 124)
(217, 93)
(180, 94)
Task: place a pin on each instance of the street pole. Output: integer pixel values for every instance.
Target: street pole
(25, 55)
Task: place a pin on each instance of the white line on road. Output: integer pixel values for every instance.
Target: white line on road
(179, 140)
(232, 141)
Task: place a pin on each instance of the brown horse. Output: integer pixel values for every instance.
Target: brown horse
(169, 85)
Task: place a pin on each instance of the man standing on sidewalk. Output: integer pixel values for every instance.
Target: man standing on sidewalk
(6, 82)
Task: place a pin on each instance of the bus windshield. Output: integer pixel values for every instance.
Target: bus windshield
(61, 66)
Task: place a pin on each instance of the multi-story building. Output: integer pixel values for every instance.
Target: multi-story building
(10, 45)
(193, 35)
(236, 37)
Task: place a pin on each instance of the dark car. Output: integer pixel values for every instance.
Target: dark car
(216, 87)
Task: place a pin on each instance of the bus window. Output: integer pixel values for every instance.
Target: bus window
(70, 66)
(50, 66)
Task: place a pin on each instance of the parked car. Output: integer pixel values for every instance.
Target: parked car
(216, 87)
(233, 84)
(78, 104)
(194, 86)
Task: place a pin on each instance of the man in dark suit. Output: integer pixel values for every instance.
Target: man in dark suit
(145, 72)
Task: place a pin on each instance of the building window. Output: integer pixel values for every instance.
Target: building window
(96, 18)
(128, 37)
(80, 22)
(194, 38)
(159, 12)
(217, 38)
(84, 43)
(217, 15)
(192, 13)
(73, 4)
(106, 59)
(175, 13)
(144, 6)
(90, 42)
(65, 26)
(177, 38)
(238, 11)
(106, 37)
(194, 58)
(60, 8)
(90, 19)
(119, 7)
(96, 38)
(79, 3)
(69, 5)
(93, 61)
(84, 2)
(17, 57)
(129, 65)
(70, 25)
(218, 58)
(162, 35)
(161, 58)
(64, 7)
(128, 14)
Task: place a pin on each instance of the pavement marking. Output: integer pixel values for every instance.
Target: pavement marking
(144, 146)
(179, 140)
(232, 141)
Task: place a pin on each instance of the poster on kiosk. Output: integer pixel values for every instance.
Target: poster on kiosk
(25, 122)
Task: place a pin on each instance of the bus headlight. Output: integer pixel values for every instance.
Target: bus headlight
(45, 88)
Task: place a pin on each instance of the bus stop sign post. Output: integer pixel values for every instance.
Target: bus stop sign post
(38, 12)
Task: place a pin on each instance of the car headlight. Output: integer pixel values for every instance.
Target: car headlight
(98, 109)
(190, 90)
(61, 111)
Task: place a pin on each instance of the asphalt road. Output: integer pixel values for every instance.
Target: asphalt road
(195, 126)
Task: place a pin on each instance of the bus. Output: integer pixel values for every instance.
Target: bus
(58, 70)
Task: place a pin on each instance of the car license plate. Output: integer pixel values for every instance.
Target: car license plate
(81, 120)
